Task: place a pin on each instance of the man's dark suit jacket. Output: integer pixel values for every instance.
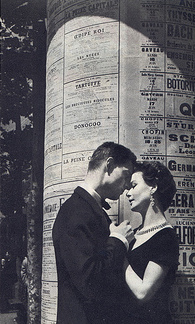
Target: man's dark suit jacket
(87, 260)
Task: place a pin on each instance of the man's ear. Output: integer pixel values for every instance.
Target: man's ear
(110, 165)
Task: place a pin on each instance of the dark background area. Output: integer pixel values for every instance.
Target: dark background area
(23, 52)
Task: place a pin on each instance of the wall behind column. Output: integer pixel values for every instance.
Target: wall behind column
(120, 71)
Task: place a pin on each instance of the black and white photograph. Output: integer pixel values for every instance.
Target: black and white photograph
(97, 208)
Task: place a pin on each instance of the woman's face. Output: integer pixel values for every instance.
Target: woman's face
(139, 194)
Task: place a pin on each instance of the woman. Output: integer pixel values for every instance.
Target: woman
(153, 255)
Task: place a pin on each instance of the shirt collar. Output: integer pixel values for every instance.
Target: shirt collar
(92, 192)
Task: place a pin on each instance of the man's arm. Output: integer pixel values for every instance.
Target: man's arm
(123, 232)
(87, 254)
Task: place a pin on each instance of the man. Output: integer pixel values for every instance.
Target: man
(88, 253)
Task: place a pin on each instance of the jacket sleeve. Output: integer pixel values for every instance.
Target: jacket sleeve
(89, 255)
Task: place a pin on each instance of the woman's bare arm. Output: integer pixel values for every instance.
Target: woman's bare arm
(153, 278)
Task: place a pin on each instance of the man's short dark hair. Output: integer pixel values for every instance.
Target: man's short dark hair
(120, 154)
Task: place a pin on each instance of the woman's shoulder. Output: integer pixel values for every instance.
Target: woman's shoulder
(165, 242)
(162, 247)
(167, 232)
(166, 236)
(160, 237)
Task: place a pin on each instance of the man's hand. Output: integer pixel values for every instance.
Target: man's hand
(124, 229)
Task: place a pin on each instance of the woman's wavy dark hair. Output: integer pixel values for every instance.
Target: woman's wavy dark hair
(155, 173)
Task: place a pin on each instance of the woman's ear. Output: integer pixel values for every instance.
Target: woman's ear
(110, 165)
(153, 189)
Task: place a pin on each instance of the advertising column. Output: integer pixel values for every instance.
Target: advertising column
(81, 110)
(121, 71)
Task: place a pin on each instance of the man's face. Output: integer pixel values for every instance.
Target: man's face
(119, 180)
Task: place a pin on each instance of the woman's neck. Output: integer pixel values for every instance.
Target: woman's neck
(153, 216)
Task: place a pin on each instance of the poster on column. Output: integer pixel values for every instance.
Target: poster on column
(121, 71)
(168, 114)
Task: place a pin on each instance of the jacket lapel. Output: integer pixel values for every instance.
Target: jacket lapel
(93, 203)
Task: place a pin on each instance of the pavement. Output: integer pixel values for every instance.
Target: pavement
(14, 313)
(8, 318)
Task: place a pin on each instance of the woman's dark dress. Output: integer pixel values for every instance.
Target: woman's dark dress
(162, 248)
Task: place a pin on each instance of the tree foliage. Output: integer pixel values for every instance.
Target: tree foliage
(17, 53)
(22, 137)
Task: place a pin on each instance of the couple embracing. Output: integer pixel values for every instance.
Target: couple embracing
(109, 274)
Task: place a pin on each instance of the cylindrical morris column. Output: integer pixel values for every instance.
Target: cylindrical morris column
(120, 71)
